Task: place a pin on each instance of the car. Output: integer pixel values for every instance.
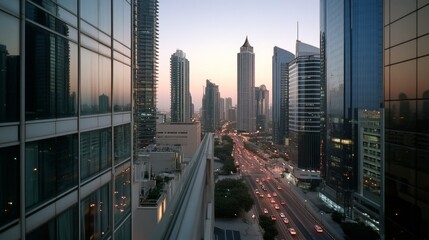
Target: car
(276, 206)
(285, 220)
(257, 192)
(265, 211)
(292, 231)
(272, 201)
(274, 194)
(257, 179)
(282, 215)
(268, 195)
(282, 202)
(279, 188)
(318, 228)
(268, 178)
(273, 217)
(261, 195)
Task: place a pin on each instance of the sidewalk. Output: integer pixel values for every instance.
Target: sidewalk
(249, 228)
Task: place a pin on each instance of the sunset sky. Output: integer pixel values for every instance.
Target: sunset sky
(211, 33)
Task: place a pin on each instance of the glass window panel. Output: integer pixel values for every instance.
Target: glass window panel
(387, 57)
(403, 80)
(122, 143)
(423, 20)
(106, 148)
(423, 46)
(386, 83)
(104, 19)
(51, 86)
(89, 11)
(40, 171)
(423, 115)
(403, 52)
(403, 30)
(386, 11)
(69, 4)
(67, 159)
(95, 214)
(67, 16)
(403, 115)
(122, 21)
(9, 184)
(105, 88)
(399, 8)
(89, 82)
(9, 68)
(89, 154)
(122, 196)
(124, 232)
(9, 5)
(423, 77)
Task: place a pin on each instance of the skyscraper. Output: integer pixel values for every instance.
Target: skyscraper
(180, 95)
(304, 108)
(351, 60)
(228, 105)
(262, 100)
(280, 93)
(145, 72)
(246, 118)
(406, 103)
(211, 109)
(65, 159)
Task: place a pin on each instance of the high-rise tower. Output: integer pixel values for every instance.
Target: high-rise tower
(351, 78)
(211, 101)
(180, 96)
(145, 72)
(280, 93)
(246, 117)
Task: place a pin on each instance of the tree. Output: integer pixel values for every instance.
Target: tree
(270, 230)
(231, 197)
(355, 231)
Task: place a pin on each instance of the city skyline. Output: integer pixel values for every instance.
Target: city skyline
(209, 33)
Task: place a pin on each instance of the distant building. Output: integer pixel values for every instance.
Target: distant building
(210, 114)
(232, 113)
(246, 117)
(304, 108)
(262, 100)
(187, 135)
(180, 95)
(280, 93)
(161, 118)
(221, 109)
(228, 105)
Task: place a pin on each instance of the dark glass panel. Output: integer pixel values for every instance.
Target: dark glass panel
(95, 152)
(122, 21)
(423, 20)
(106, 148)
(95, 215)
(9, 184)
(403, 115)
(121, 87)
(122, 143)
(423, 77)
(423, 115)
(67, 159)
(403, 52)
(9, 5)
(122, 196)
(9, 68)
(403, 80)
(403, 30)
(89, 82)
(124, 232)
(423, 46)
(105, 84)
(98, 13)
(51, 81)
(69, 4)
(387, 83)
(399, 8)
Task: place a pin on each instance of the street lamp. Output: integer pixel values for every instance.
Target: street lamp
(305, 203)
(321, 215)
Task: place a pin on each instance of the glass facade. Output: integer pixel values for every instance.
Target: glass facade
(146, 72)
(351, 57)
(65, 111)
(406, 103)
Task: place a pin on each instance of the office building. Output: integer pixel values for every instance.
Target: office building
(280, 93)
(246, 117)
(186, 135)
(222, 109)
(262, 100)
(406, 103)
(351, 66)
(65, 150)
(180, 107)
(304, 108)
(211, 109)
(145, 72)
(228, 105)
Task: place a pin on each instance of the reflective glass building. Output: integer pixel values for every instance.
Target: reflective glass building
(211, 107)
(65, 119)
(280, 92)
(180, 99)
(406, 102)
(351, 66)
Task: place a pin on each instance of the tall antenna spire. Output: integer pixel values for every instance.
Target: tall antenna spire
(297, 30)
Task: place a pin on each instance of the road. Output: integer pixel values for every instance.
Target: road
(252, 168)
